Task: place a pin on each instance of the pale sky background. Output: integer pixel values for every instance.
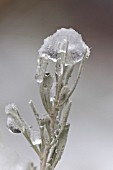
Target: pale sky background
(23, 26)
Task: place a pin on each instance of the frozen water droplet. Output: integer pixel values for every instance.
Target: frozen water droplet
(12, 126)
(41, 68)
(35, 137)
(59, 67)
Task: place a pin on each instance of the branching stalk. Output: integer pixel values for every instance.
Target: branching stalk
(66, 48)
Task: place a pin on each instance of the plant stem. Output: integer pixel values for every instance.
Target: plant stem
(78, 76)
(45, 157)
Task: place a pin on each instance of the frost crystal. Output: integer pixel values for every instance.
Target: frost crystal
(66, 41)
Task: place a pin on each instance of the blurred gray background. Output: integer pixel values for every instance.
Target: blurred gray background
(23, 26)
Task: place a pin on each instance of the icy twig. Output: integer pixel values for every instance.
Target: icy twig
(35, 112)
(78, 76)
(65, 48)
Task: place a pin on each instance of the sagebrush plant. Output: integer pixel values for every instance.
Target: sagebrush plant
(64, 49)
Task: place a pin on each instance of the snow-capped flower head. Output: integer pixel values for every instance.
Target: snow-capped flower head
(65, 40)
(65, 47)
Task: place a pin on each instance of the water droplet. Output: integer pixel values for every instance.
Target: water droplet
(12, 126)
(35, 137)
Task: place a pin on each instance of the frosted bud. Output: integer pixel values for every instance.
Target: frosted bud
(14, 122)
(11, 109)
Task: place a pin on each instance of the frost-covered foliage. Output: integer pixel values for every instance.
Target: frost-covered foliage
(65, 48)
